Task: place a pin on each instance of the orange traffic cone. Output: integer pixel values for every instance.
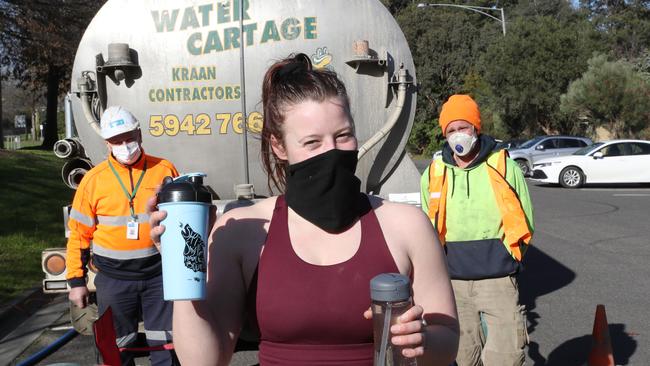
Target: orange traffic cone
(601, 350)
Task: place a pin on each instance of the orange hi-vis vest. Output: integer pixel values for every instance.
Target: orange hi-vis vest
(100, 214)
(515, 226)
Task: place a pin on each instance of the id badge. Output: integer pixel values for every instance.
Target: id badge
(132, 230)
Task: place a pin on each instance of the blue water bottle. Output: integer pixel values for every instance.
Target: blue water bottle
(184, 242)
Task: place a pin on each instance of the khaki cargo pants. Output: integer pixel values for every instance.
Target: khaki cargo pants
(496, 301)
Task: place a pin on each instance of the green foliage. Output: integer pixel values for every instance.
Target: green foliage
(39, 40)
(60, 123)
(395, 6)
(446, 44)
(559, 9)
(528, 71)
(31, 197)
(611, 94)
(642, 64)
(624, 23)
(426, 138)
(518, 79)
(491, 123)
(42, 35)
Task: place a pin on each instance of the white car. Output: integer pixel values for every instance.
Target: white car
(541, 147)
(615, 161)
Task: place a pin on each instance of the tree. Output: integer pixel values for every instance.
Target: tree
(611, 94)
(40, 39)
(2, 138)
(395, 6)
(445, 43)
(529, 71)
(558, 9)
(624, 23)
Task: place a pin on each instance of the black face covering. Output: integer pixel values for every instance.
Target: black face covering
(324, 190)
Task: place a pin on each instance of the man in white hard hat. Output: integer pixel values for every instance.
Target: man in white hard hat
(109, 212)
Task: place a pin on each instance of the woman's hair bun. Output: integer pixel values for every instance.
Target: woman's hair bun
(294, 64)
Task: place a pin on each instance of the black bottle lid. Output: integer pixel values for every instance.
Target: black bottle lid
(186, 188)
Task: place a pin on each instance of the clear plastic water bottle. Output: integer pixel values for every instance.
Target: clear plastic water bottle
(391, 297)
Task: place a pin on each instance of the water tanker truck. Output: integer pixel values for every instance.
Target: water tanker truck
(191, 71)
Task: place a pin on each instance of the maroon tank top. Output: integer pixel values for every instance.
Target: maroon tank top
(313, 315)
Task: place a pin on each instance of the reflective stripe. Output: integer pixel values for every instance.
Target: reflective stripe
(124, 341)
(158, 335)
(84, 219)
(438, 166)
(123, 254)
(120, 220)
(434, 195)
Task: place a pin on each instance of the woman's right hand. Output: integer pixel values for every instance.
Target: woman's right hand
(155, 217)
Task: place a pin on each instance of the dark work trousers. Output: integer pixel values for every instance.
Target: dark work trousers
(130, 299)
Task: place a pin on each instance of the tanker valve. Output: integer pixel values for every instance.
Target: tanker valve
(244, 191)
(120, 64)
(363, 55)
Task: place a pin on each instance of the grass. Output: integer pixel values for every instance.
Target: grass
(32, 195)
(25, 143)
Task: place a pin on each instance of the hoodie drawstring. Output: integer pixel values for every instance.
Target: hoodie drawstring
(453, 181)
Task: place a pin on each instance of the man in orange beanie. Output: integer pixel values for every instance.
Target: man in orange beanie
(478, 201)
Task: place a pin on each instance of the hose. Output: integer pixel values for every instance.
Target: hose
(392, 120)
(67, 148)
(68, 116)
(73, 170)
(92, 121)
(53, 347)
(85, 84)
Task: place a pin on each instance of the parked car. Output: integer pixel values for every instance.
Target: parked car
(545, 147)
(509, 144)
(615, 161)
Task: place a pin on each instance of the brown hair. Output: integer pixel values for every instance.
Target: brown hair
(287, 83)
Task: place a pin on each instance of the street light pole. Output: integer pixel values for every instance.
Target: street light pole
(478, 9)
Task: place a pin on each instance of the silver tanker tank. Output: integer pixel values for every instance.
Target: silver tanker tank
(181, 68)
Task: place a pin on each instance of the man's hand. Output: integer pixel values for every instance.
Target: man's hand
(79, 296)
(155, 217)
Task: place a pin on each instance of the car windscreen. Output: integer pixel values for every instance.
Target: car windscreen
(530, 143)
(585, 150)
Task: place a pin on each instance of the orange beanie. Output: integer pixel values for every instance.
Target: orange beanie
(460, 107)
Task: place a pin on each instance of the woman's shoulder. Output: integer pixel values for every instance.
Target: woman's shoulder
(400, 216)
(386, 207)
(258, 213)
(243, 230)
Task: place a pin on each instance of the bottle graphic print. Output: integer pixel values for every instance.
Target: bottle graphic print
(183, 245)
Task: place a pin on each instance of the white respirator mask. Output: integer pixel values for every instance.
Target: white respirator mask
(126, 153)
(462, 143)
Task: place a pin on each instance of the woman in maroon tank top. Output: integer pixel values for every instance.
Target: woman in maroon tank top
(300, 263)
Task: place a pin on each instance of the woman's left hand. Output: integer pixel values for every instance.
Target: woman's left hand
(408, 332)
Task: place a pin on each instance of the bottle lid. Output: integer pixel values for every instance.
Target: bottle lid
(390, 287)
(185, 188)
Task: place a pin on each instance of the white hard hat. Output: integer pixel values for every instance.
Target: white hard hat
(117, 120)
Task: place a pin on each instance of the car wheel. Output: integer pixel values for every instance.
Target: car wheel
(523, 164)
(572, 177)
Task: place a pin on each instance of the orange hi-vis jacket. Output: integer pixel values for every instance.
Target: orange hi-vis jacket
(99, 217)
(516, 231)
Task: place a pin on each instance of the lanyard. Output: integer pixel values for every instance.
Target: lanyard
(130, 196)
